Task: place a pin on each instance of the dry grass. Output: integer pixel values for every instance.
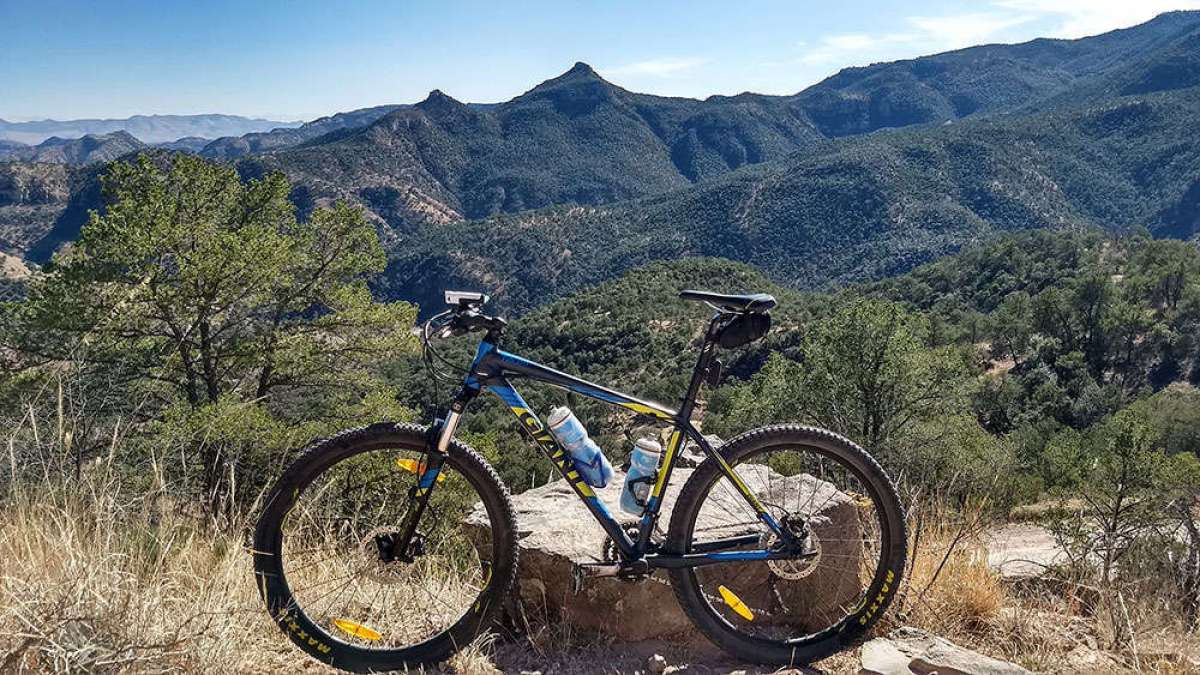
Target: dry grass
(951, 591)
(92, 583)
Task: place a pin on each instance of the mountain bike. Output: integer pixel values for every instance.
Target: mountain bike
(393, 545)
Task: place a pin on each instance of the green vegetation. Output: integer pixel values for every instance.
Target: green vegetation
(198, 309)
(961, 368)
(86, 150)
(198, 334)
(857, 209)
(1046, 134)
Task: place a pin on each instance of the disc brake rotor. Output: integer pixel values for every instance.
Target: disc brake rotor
(794, 570)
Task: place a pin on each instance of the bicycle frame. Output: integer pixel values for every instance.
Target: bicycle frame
(493, 368)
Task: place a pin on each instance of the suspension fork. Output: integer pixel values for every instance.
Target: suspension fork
(437, 448)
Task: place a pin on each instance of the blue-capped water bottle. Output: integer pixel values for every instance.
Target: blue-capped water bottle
(588, 458)
(643, 468)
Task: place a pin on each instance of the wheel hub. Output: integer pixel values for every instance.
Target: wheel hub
(378, 548)
(806, 545)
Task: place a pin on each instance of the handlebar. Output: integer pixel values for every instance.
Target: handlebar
(461, 321)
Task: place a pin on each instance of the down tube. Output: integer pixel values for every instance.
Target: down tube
(545, 440)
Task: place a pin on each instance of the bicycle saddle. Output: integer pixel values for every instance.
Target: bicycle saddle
(754, 302)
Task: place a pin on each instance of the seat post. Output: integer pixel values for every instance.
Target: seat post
(703, 362)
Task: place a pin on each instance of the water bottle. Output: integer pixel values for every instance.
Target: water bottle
(643, 468)
(588, 458)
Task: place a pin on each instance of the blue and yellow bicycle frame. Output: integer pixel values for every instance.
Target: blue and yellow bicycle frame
(493, 369)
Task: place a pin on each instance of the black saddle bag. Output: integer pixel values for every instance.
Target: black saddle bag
(744, 329)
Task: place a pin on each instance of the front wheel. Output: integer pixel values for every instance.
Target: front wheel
(843, 565)
(332, 574)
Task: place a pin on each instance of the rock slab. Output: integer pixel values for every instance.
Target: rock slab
(911, 651)
(1019, 551)
(555, 531)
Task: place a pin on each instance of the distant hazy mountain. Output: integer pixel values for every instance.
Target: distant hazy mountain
(86, 150)
(189, 144)
(147, 128)
(235, 146)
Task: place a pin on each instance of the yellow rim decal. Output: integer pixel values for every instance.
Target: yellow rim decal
(413, 466)
(735, 603)
(357, 629)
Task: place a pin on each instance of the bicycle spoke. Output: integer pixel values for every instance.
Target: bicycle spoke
(332, 557)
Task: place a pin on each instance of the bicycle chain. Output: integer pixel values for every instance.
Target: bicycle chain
(609, 553)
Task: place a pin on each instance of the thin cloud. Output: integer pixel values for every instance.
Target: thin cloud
(661, 67)
(964, 30)
(1078, 18)
(923, 35)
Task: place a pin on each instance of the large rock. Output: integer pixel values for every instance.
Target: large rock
(556, 531)
(911, 651)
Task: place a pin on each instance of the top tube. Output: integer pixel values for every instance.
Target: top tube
(492, 362)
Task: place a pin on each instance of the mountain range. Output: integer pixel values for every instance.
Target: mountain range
(849, 209)
(865, 174)
(146, 128)
(85, 150)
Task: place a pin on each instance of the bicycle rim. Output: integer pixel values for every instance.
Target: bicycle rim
(341, 566)
(838, 521)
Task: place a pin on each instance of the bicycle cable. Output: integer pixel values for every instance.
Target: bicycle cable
(430, 358)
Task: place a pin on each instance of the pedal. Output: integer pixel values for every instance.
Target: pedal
(580, 572)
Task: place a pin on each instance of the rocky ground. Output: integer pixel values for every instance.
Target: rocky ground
(619, 627)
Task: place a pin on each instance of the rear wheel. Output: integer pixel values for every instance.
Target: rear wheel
(336, 584)
(844, 563)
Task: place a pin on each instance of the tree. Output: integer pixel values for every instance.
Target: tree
(866, 373)
(196, 292)
(1013, 325)
(1162, 269)
(1132, 493)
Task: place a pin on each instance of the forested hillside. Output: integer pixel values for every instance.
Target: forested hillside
(575, 138)
(578, 139)
(1029, 337)
(88, 149)
(43, 205)
(228, 147)
(856, 209)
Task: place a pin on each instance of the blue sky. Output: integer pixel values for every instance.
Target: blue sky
(299, 59)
